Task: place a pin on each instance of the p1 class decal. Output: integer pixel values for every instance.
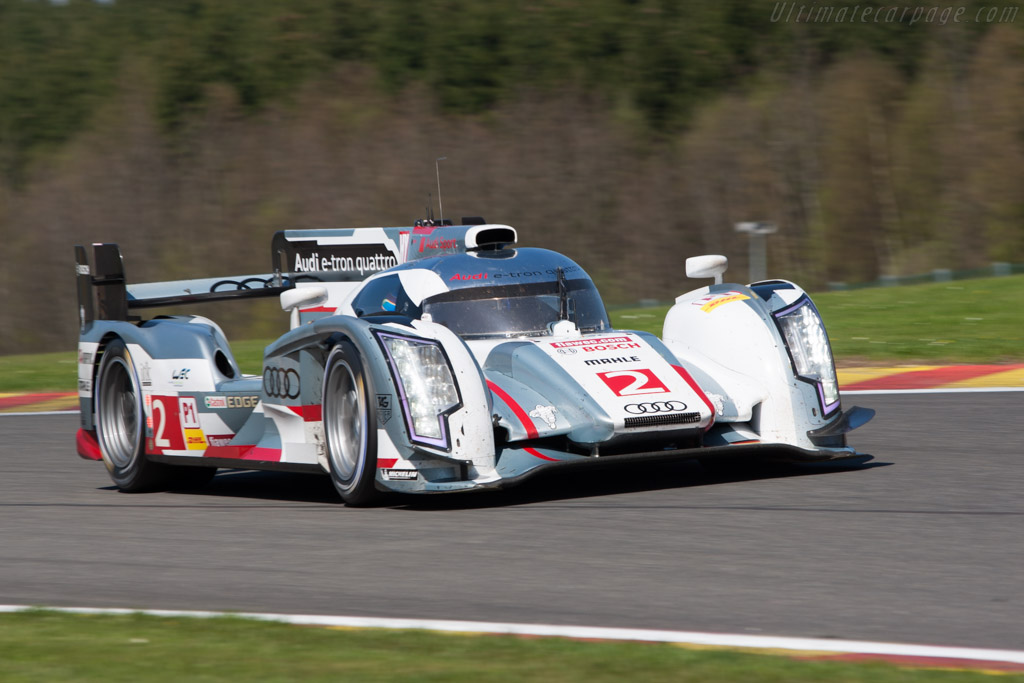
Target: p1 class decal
(633, 382)
(195, 440)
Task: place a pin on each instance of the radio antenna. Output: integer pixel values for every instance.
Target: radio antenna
(440, 206)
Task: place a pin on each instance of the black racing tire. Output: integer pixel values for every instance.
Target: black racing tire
(120, 423)
(350, 426)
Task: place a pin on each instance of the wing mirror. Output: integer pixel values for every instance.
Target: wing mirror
(293, 299)
(710, 265)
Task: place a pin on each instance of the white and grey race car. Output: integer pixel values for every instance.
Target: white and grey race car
(441, 358)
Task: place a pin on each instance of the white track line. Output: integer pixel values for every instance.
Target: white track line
(50, 412)
(963, 390)
(587, 632)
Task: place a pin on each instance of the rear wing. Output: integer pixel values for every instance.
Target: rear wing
(328, 255)
(103, 292)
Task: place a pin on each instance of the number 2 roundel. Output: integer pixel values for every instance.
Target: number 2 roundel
(633, 382)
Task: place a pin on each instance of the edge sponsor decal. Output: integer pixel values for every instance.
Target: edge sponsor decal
(383, 408)
(633, 382)
(400, 475)
(225, 402)
(712, 301)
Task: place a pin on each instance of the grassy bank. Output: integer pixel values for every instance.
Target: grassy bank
(57, 647)
(967, 321)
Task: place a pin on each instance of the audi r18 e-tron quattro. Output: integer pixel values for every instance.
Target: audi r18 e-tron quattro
(442, 358)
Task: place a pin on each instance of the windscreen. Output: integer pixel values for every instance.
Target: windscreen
(517, 310)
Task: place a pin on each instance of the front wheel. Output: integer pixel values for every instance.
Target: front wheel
(119, 423)
(349, 426)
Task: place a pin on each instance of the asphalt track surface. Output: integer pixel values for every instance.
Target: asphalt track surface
(923, 545)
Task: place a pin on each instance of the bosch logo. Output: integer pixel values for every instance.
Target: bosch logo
(281, 383)
(656, 407)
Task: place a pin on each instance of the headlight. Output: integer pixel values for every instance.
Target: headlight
(808, 345)
(425, 384)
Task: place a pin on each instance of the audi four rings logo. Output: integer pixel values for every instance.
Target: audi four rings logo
(657, 407)
(281, 383)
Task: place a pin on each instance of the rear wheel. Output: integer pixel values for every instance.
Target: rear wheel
(349, 426)
(119, 423)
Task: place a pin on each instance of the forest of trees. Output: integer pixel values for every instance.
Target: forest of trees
(628, 133)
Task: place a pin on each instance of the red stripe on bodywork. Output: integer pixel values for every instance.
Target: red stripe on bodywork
(244, 453)
(310, 413)
(88, 446)
(697, 390)
(531, 430)
(928, 379)
(534, 452)
(268, 454)
(386, 463)
(318, 309)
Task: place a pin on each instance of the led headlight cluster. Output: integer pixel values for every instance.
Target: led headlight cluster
(427, 389)
(808, 345)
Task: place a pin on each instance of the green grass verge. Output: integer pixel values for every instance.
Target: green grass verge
(39, 372)
(50, 646)
(966, 321)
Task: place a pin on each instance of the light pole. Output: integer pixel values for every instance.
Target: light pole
(757, 231)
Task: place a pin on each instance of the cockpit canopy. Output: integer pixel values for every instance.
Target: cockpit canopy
(519, 294)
